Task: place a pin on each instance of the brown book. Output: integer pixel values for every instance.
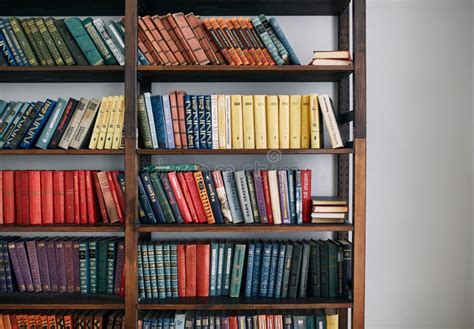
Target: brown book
(191, 39)
(159, 38)
(182, 119)
(221, 44)
(222, 36)
(253, 42)
(175, 119)
(195, 25)
(154, 43)
(223, 25)
(108, 198)
(245, 39)
(214, 46)
(264, 49)
(145, 52)
(149, 47)
(238, 38)
(173, 47)
(175, 38)
(182, 39)
(69, 265)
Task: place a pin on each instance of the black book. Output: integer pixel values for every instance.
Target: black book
(295, 269)
(23, 125)
(303, 285)
(71, 44)
(213, 199)
(63, 123)
(314, 270)
(324, 268)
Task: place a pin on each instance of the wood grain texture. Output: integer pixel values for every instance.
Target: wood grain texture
(360, 78)
(110, 73)
(244, 228)
(54, 301)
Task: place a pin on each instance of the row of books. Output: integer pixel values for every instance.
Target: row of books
(329, 210)
(42, 197)
(62, 320)
(179, 121)
(268, 269)
(63, 124)
(305, 319)
(65, 265)
(180, 39)
(41, 41)
(187, 194)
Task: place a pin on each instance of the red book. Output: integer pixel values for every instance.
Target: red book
(233, 322)
(182, 118)
(18, 193)
(82, 197)
(196, 199)
(47, 208)
(91, 206)
(175, 118)
(181, 270)
(180, 199)
(25, 203)
(100, 199)
(266, 193)
(115, 196)
(270, 321)
(35, 196)
(77, 209)
(191, 270)
(306, 194)
(203, 254)
(69, 213)
(8, 197)
(58, 196)
(1, 197)
(187, 196)
(118, 189)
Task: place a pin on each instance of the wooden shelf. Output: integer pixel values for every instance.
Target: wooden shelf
(244, 228)
(55, 301)
(60, 152)
(62, 228)
(246, 7)
(227, 73)
(242, 303)
(242, 152)
(111, 73)
(63, 8)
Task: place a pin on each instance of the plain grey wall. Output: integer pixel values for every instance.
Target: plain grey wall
(420, 173)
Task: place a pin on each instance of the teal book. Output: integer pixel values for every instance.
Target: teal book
(84, 267)
(52, 124)
(265, 269)
(111, 258)
(279, 33)
(295, 269)
(3, 106)
(146, 270)
(314, 270)
(320, 319)
(162, 199)
(220, 268)
(228, 251)
(237, 269)
(141, 282)
(273, 270)
(13, 126)
(92, 253)
(280, 270)
(310, 321)
(257, 269)
(174, 269)
(279, 46)
(99, 42)
(250, 267)
(160, 270)
(84, 41)
(167, 261)
(33, 133)
(8, 117)
(101, 254)
(213, 268)
(267, 41)
(287, 270)
(324, 268)
(148, 216)
(152, 268)
(303, 284)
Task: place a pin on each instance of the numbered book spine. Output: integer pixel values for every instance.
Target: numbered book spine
(59, 42)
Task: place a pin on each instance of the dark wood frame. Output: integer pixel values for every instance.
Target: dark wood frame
(351, 160)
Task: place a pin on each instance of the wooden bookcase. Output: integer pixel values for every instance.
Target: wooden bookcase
(351, 82)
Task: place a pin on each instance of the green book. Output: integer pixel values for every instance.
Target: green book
(295, 269)
(84, 267)
(31, 39)
(49, 41)
(111, 258)
(59, 42)
(332, 268)
(146, 270)
(70, 42)
(303, 284)
(92, 266)
(174, 269)
(287, 270)
(84, 41)
(43, 48)
(144, 127)
(101, 254)
(23, 41)
(162, 199)
(237, 269)
(167, 261)
(99, 42)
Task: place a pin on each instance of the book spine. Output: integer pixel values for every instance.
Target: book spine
(84, 267)
(61, 266)
(175, 119)
(168, 189)
(120, 260)
(279, 46)
(330, 121)
(51, 125)
(222, 196)
(213, 269)
(194, 196)
(84, 41)
(280, 270)
(23, 125)
(220, 44)
(99, 43)
(23, 41)
(168, 123)
(262, 32)
(275, 196)
(195, 25)
(49, 41)
(332, 268)
(162, 199)
(6, 51)
(306, 194)
(267, 196)
(287, 271)
(17, 266)
(202, 269)
(180, 198)
(151, 120)
(347, 268)
(140, 275)
(303, 282)
(71, 44)
(295, 270)
(281, 36)
(111, 265)
(244, 196)
(206, 205)
(40, 42)
(253, 196)
(292, 196)
(144, 128)
(233, 199)
(146, 270)
(13, 43)
(167, 260)
(284, 198)
(191, 42)
(100, 26)
(250, 269)
(63, 123)
(228, 123)
(34, 265)
(174, 269)
(264, 51)
(316, 131)
(59, 42)
(73, 125)
(273, 270)
(208, 120)
(32, 41)
(229, 252)
(265, 269)
(169, 41)
(213, 198)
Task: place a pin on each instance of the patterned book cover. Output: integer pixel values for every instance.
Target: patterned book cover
(111, 263)
(220, 268)
(160, 270)
(280, 270)
(273, 270)
(213, 197)
(69, 265)
(174, 269)
(92, 256)
(84, 267)
(250, 268)
(43, 265)
(284, 197)
(161, 197)
(167, 263)
(188, 110)
(229, 252)
(237, 269)
(152, 269)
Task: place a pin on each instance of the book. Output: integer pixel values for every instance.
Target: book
(273, 141)
(84, 41)
(330, 122)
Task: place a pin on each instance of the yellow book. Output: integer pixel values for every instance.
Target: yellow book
(260, 121)
(105, 123)
(221, 124)
(236, 119)
(98, 123)
(284, 116)
(247, 115)
(332, 320)
(315, 122)
(119, 125)
(272, 123)
(305, 117)
(295, 121)
(114, 116)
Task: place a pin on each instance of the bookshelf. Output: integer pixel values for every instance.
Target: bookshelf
(351, 161)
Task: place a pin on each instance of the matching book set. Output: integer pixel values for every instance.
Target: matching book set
(254, 268)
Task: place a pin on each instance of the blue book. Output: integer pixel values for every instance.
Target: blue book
(52, 124)
(146, 269)
(168, 122)
(174, 269)
(250, 267)
(167, 261)
(273, 270)
(8, 119)
(160, 270)
(17, 44)
(279, 33)
(145, 204)
(10, 40)
(152, 268)
(141, 281)
(84, 267)
(220, 268)
(207, 116)
(152, 197)
(188, 114)
(6, 112)
(265, 275)
(3, 106)
(213, 268)
(24, 125)
(157, 106)
(257, 261)
(201, 112)
(280, 270)
(213, 198)
(5, 50)
(267, 40)
(37, 126)
(11, 130)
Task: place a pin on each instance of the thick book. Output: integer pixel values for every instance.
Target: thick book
(273, 270)
(295, 270)
(180, 198)
(84, 41)
(281, 36)
(204, 197)
(276, 41)
(237, 269)
(232, 196)
(203, 253)
(160, 193)
(86, 125)
(237, 122)
(187, 195)
(265, 269)
(52, 124)
(267, 40)
(23, 41)
(58, 41)
(190, 39)
(222, 196)
(58, 60)
(191, 254)
(195, 196)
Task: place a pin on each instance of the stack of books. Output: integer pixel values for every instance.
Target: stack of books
(64, 319)
(317, 268)
(328, 210)
(180, 121)
(41, 41)
(62, 265)
(71, 124)
(42, 197)
(305, 319)
(331, 58)
(186, 39)
(186, 194)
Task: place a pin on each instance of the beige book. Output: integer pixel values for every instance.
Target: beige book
(329, 117)
(260, 119)
(114, 117)
(228, 123)
(273, 140)
(87, 125)
(337, 54)
(105, 123)
(284, 120)
(316, 130)
(295, 121)
(274, 196)
(327, 220)
(119, 125)
(328, 215)
(330, 209)
(98, 123)
(248, 125)
(73, 125)
(221, 122)
(305, 118)
(331, 62)
(236, 118)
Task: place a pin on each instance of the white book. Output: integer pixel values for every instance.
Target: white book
(73, 124)
(151, 120)
(87, 125)
(168, 122)
(244, 196)
(274, 196)
(228, 124)
(329, 118)
(100, 26)
(214, 123)
(221, 121)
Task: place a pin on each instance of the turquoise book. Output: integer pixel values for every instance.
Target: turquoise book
(160, 270)
(174, 269)
(265, 275)
(279, 33)
(257, 269)
(84, 267)
(152, 268)
(250, 267)
(111, 258)
(237, 269)
(273, 270)
(84, 41)
(52, 124)
(146, 270)
(280, 270)
(167, 259)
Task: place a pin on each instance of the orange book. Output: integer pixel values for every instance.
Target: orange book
(175, 119)
(203, 252)
(176, 39)
(149, 47)
(239, 41)
(195, 25)
(195, 198)
(246, 40)
(230, 38)
(182, 39)
(191, 289)
(225, 39)
(264, 49)
(220, 43)
(206, 205)
(253, 42)
(154, 43)
(214, 46)
(190, 38)
(159, 39)
(168, 38)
